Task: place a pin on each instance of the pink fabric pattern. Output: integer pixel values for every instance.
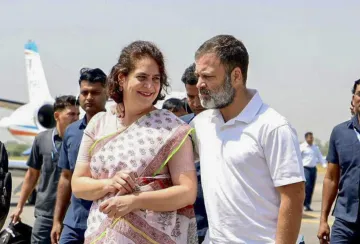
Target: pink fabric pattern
(141, 148)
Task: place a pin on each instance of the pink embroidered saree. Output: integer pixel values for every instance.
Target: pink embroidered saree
(145, 147)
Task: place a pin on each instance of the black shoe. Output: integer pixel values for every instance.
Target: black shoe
(308, 209)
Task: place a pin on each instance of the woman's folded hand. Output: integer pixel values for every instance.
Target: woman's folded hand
(118, 206)
(123, 182)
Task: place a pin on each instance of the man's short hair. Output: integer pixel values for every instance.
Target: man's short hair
(308, 134)
(63, 102)
(356, 83)
(189, 78)
(173, 104)
(92, 76)
(231, 52)
(186, 105)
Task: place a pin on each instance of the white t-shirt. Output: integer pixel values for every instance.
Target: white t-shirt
(242, 163)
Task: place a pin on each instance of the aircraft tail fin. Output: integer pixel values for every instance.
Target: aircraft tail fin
(37, 84)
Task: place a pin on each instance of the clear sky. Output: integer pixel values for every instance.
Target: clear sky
(304, 56)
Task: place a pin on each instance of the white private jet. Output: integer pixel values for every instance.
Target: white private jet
(29, 119)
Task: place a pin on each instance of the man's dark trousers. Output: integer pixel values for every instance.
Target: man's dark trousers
(41, 230)
(343, 232)
(310, 176)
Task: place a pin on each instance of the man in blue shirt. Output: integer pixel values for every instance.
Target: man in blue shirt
(92, 100)
(190, 81)
(342, 180)
(43, 170)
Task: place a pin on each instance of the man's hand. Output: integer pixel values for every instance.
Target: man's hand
(63, 197)
(31, 177)
(56, 232)
(330, 188)
(324, 233)
(118, 206)
(15, 216)
(123, 182)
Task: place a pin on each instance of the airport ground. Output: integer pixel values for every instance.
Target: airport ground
(309, 226)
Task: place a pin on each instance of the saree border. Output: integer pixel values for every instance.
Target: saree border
(173, 152)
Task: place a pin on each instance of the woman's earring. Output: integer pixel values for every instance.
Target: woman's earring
(120, 88)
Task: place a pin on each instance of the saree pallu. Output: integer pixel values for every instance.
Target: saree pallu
(144, 148)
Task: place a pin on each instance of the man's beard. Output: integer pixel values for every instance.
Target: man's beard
(220, 98)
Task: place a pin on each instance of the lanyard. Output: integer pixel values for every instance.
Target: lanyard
(54, 155)
(53, 141)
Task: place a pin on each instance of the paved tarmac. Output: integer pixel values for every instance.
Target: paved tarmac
(309, 227)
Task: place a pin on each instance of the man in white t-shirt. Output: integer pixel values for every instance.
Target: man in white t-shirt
(251, 169)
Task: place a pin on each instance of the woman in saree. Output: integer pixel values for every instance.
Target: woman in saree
(139, 169)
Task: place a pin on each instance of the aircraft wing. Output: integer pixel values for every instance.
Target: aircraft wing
(17, 164)
(9, 104)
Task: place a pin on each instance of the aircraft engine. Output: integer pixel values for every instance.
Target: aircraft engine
(44, 116)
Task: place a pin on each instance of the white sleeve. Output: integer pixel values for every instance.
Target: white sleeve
(301, 148)
(320, 156)
(93, 125)
(84, 154)
(283, 156)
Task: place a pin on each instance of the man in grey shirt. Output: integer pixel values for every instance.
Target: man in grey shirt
(43, 164)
